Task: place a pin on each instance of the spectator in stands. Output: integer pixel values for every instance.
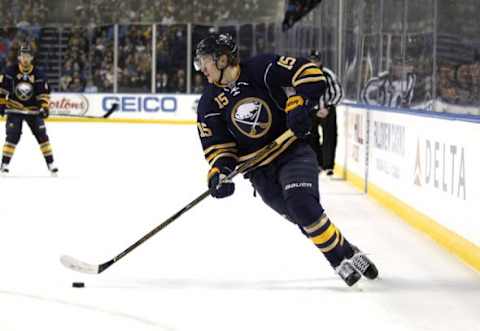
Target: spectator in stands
(90, 87)
(445, 86)
(162, 82)
(64, 83)
(76, 85)
(179, 81)
(198, 83)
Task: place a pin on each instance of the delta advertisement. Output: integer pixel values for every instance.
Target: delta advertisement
(130, 106)
(428, 163)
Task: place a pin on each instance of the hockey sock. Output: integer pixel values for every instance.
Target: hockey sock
(8, 151)
(46, 149)
(329, 240)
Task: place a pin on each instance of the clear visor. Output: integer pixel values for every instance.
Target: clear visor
(200, 61)
(26, 56)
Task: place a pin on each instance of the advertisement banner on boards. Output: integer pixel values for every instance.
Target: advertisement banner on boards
(131, 106)
(429, 164)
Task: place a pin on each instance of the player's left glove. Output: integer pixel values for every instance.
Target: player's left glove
(298, 116)
(215, 176)
(44, 112)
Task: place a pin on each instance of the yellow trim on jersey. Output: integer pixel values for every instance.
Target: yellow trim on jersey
(309, 80)
(218, 146)
(19, 106)
(43, 97)
(223, 155)
(314, 74)
(301, 70)
(278, 152)
(212, 172)
(312, 71)
(214, 154)
(269, 157)
(294, 102)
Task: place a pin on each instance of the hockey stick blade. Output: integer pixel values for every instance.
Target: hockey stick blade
(77, 265)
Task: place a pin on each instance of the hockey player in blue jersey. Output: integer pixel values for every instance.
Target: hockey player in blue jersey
(244, 108)
(24, 97)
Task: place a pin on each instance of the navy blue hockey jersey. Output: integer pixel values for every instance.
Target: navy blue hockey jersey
(24, 91)
(236, 121)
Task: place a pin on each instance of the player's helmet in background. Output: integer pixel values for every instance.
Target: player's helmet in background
(216, 45)
(315, 56)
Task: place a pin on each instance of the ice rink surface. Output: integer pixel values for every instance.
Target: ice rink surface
(226, 265)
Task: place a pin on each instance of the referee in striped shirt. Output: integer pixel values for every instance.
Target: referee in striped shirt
(323, 137)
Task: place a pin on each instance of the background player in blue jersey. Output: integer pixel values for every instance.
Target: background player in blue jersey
(24, 96)
(245, 107)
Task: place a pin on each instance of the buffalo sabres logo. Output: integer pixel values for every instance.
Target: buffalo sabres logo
(252, 117)
(24, 91)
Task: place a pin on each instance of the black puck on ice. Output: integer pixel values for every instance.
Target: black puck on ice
(78, 284)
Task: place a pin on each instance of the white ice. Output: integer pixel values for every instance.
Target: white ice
(225, 265)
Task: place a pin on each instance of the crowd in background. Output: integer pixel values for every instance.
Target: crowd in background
(20, 20)
(172, 11)
(87, 60)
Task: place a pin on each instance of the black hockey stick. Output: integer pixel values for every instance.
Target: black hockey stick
(77, 265)
(109, 112)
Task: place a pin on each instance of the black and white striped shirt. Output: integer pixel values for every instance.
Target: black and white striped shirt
(334, 92)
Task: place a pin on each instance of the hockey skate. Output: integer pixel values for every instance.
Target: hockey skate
(363, 264)
(4, 168)
(347, 272)
(53, 169)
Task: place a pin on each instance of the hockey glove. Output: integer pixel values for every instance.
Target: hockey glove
(298, 116)
(44, 112)
(215, 175)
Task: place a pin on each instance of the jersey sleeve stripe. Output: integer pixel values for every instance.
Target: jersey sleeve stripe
(216, 153)
(219, 146)
(300, 71)
(311, 71)
(308, 80)
(223, 155)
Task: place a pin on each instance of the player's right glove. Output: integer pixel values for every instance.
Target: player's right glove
(298, 116)
(215, 175)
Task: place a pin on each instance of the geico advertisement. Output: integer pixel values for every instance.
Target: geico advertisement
(135, 106)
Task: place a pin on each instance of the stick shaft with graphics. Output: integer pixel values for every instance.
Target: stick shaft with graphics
(77, 265)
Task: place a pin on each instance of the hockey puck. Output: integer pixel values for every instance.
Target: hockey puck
(78, 284)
